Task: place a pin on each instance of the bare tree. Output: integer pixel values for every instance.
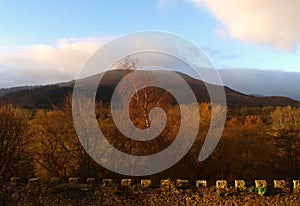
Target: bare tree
(14, 159)
(53, 151)
(286, 129)
(143, 100)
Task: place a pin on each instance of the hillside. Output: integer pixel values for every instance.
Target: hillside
(5, 91)
(45, 96)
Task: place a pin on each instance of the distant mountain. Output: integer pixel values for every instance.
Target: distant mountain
(5, 91)
(45, 96)
(263, 82)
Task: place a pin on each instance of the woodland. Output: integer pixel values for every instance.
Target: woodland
(257, 142)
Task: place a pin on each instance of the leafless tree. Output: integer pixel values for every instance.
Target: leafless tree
(14, 159)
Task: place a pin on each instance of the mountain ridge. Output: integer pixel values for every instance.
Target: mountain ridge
(48, 95)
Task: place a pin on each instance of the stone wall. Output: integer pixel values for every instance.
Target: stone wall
(144, 183)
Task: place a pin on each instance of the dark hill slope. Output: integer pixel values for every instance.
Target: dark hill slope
(45, 96)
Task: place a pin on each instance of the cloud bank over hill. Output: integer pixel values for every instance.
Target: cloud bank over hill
(262, 82)
(41, 64)
(44, 64)
(270, 22)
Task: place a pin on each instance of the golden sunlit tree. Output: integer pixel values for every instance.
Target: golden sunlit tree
(14, 140)
(286, 130)
(53, 144)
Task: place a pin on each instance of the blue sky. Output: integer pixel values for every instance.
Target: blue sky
(43, 41)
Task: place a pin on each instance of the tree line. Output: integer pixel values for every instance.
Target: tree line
(256, 142)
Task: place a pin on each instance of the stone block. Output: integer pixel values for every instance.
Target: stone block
(74, 180)
(239, 184)
(221, 184)
(201, 183)
(107, 182)
(90, 180)
(261, 183)
(279, 184)
(146, 183)
(296, 184)
(182, 183)
(126, 182)
(165, 182)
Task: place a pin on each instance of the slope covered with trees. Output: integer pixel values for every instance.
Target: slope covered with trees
(37, 134)
(256, 143)
(46, 96)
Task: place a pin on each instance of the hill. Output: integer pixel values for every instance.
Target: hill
(5, 91)
(45, 96)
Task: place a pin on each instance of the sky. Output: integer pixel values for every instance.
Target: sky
(44, 42)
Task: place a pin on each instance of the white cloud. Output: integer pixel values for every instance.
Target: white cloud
(40, 64)
(44, 64)
(270, 22)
